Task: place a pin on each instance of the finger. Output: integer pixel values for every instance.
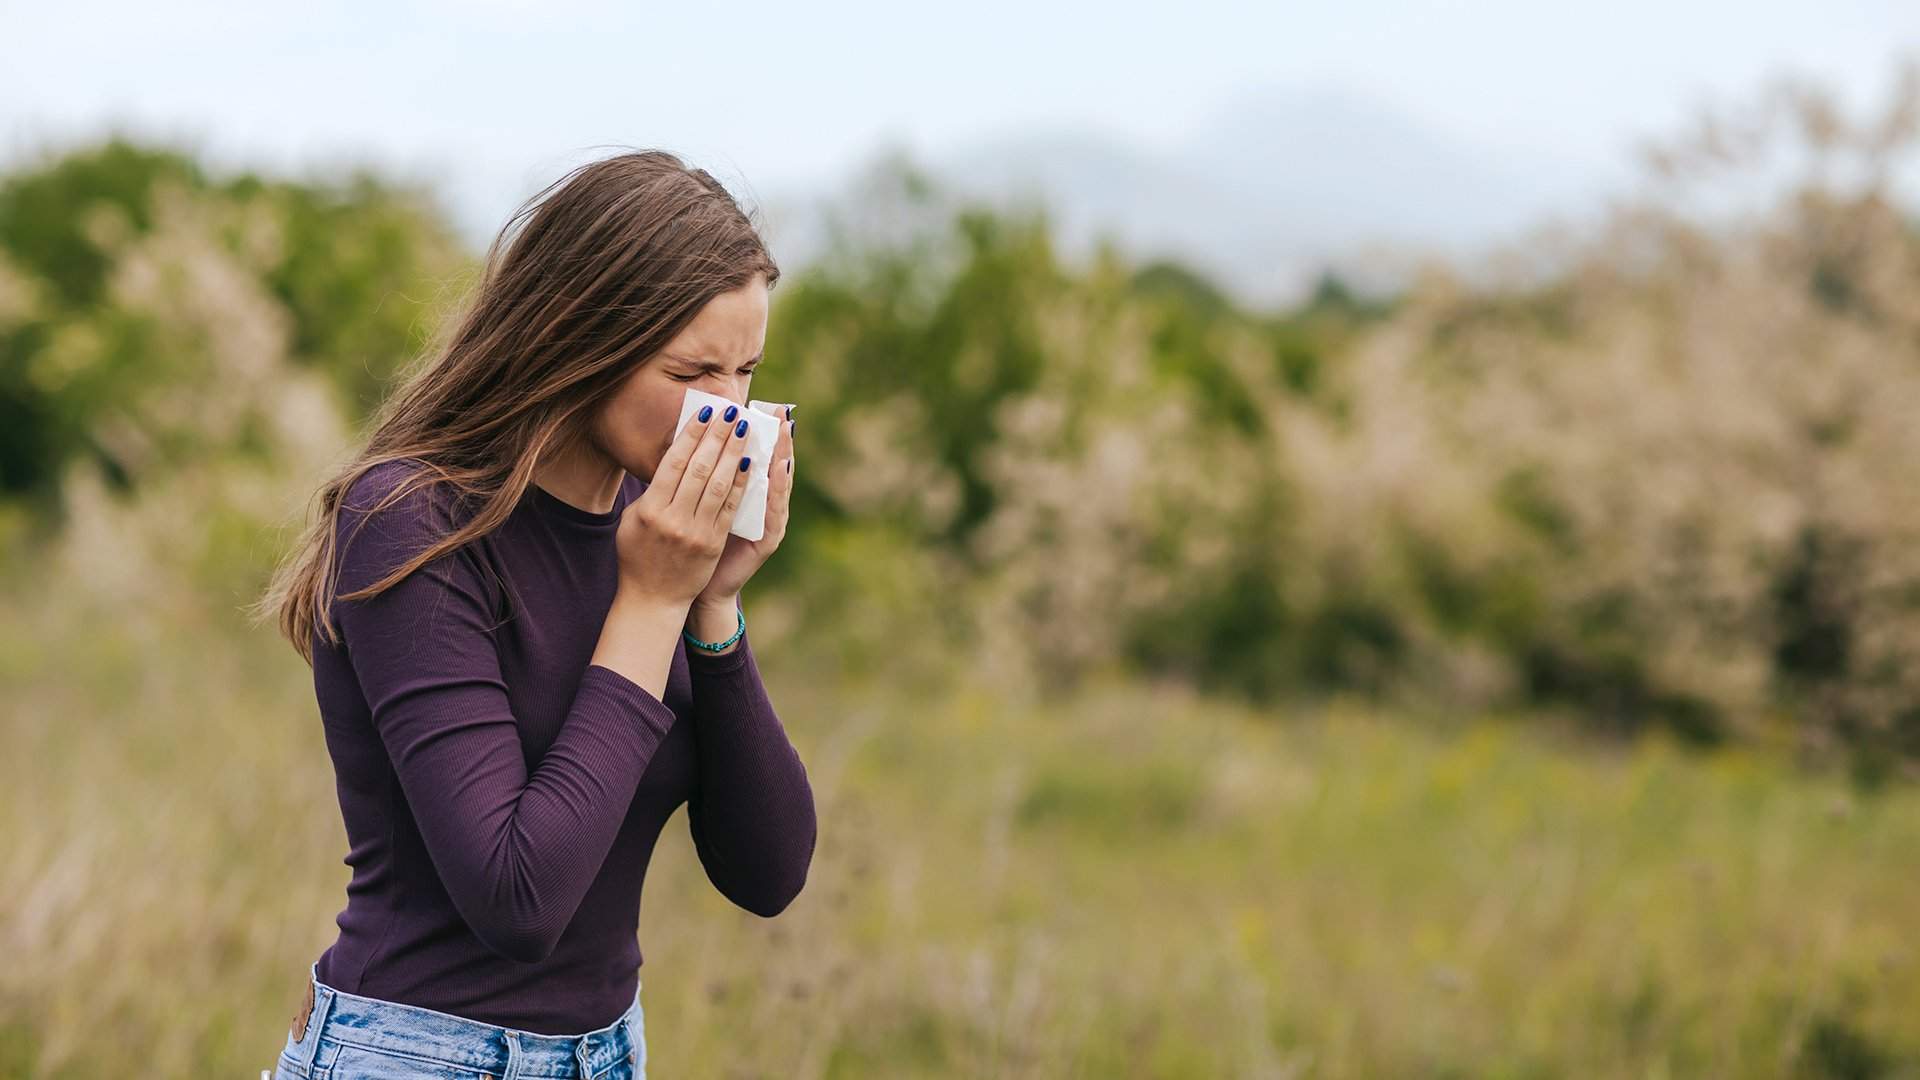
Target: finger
(666, 476)
(737, 493)
(780, 479)
(791, 433)
(735, 496)
(700, 467)
(730, 474)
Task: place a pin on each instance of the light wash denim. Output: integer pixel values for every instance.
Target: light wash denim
(349, 1037)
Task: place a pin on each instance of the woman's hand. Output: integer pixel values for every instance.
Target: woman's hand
(742, 557)
(670, 537)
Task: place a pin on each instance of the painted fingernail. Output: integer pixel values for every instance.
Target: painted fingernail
(789, 412)
(790, 429)
(705, 412)
(743, 463)
(731, 411)
(789, 464)
(741, 428)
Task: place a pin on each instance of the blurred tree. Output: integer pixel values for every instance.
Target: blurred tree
(103, 246)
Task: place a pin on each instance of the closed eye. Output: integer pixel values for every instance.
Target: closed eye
(690, 378)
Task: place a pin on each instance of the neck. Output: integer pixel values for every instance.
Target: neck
(581, 476)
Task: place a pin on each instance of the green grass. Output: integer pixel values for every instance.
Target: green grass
(1129, 883)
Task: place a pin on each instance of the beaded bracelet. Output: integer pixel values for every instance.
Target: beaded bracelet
(713, 646)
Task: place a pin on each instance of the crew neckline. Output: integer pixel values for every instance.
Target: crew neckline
(551, 505)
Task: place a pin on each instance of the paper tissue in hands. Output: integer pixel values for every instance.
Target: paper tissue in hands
(763, 432)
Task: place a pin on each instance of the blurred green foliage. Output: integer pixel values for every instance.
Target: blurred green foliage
(1057, 468)
(1659, 497)
(355, 265)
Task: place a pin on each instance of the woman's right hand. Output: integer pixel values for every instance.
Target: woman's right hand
(671, 537)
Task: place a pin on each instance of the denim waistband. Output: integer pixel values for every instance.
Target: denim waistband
(443, 1038)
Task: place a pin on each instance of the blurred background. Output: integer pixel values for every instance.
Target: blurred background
(1360, 541)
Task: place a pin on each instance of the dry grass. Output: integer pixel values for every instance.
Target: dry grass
(1128, 882)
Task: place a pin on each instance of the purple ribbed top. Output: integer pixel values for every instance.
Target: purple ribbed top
(502, 795)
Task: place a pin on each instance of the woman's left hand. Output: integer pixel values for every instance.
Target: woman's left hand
(742, 557)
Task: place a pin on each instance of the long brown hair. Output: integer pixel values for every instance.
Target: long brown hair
(589, 278)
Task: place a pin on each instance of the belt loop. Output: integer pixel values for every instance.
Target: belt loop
(580, 1056)
(513, 1057)
(322, 1006)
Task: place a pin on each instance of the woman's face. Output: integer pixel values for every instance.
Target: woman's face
(717, 352)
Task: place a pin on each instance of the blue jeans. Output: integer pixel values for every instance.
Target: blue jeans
(349, 1037)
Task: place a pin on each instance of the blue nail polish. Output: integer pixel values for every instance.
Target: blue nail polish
(705, 411)
(731, 411)
(743, 463)
(741, 428)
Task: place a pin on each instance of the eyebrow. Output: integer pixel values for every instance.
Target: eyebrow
(708, 365)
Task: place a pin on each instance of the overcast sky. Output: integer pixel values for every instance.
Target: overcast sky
(492, 99)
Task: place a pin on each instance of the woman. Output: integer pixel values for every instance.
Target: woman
(522, 607)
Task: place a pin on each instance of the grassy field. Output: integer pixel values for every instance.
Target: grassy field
(1130, 883)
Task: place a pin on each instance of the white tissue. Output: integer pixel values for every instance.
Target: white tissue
(763, 432)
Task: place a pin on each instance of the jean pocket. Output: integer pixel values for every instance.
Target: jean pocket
(287, 1068)
(363, 1063)
(625, 1068)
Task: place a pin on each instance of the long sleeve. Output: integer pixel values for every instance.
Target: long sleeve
(751, 813)
(516, 850)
